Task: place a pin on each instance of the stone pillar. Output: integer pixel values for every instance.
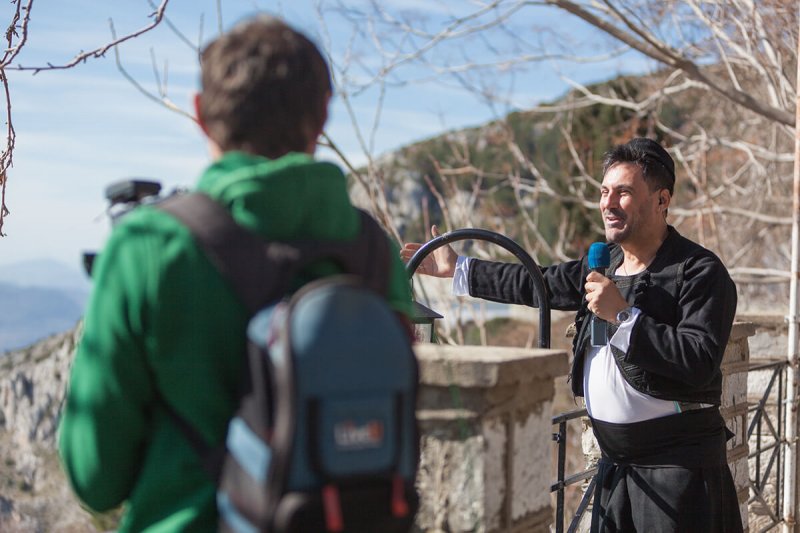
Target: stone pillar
(733, 409)
(735, 366)
(486, 437)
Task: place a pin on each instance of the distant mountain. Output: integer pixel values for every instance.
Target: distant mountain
(38, 299)
(45, 273)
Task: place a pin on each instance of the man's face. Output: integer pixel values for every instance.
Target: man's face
(630, 209)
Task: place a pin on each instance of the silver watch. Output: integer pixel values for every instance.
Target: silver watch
(624, 315)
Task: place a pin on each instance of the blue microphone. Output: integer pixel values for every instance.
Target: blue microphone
(599, 257)
(599, 261)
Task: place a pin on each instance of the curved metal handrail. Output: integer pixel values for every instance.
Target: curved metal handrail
(503, 241)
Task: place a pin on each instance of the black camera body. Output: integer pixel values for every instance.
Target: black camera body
(124, 196)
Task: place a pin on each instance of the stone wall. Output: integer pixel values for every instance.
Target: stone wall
(485, 421)
(484, 417)
(770, 339)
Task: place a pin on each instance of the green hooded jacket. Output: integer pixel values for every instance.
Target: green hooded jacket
(161, 318)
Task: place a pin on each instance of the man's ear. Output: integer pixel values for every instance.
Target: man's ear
(314, 137)
(664, 199)
(213, 147)
(198, 117)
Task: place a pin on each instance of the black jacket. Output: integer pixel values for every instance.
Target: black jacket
(688, 303)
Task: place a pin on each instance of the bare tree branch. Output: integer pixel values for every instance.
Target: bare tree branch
(20, 32)
(667, 55)
(160, 99)
(16, 36)
(82, 57)
(727, 210)
(180, 34)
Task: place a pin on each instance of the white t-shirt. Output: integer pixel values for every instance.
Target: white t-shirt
(608, 396)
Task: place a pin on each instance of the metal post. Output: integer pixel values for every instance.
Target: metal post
(562, 470)
(778, 471)
(790, 478)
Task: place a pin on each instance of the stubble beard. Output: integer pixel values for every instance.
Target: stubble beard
(617, 235)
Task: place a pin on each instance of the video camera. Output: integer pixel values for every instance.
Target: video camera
(123, 196)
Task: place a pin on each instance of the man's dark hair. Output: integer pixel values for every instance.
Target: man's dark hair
(657, 166)
(265, 88)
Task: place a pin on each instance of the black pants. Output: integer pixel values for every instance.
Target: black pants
(668, 474)
(665, 499)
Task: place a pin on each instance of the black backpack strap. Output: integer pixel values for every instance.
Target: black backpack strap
(243, 258)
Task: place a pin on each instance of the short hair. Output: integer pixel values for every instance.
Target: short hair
(265, 89)
(656, 164)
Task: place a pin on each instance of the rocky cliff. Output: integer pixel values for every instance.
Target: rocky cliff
(34, 494)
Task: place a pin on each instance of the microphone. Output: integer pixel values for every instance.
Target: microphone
(599, 261)
(599, 257)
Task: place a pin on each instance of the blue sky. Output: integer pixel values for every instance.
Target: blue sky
(80, 129)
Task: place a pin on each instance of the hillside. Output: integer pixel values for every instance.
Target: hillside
(35, 495)
(519, 173)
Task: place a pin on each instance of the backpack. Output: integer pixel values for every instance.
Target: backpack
(325, 435)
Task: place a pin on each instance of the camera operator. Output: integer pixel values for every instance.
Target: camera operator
(162, 323)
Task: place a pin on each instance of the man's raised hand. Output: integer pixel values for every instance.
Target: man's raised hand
(441, 263)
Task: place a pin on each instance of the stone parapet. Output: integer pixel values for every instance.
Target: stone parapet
(770, 340)
(485, 421)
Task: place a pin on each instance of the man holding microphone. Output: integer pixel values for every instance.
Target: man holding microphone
(654, 313)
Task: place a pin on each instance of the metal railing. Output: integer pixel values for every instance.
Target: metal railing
(562, 482)
(765, 432)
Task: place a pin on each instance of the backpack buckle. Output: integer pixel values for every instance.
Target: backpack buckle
(399, 503)
(333, 508)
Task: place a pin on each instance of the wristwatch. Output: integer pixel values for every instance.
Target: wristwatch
(624, 315)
